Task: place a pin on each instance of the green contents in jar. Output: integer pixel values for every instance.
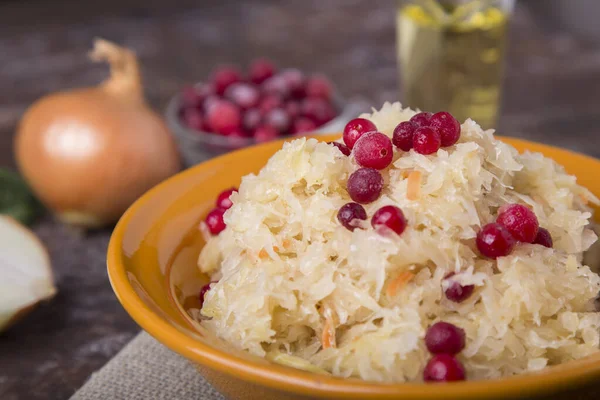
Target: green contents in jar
(16, 199)
(451, 57)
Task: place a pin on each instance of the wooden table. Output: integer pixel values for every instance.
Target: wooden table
(552, 94)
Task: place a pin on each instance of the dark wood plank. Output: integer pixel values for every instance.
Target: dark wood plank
(551, 95)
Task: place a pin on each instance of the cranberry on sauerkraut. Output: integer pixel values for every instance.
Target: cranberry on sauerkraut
(301, 286)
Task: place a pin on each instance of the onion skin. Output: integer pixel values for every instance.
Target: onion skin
(89, 153)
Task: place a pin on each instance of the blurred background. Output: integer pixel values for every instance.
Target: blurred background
(551, 94)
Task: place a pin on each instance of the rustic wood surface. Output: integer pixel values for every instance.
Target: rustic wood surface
(552, 94)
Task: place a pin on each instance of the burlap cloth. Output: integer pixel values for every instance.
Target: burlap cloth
(146, 370)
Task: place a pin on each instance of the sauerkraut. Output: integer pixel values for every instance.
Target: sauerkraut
(290, 276)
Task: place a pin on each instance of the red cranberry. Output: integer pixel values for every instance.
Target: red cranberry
(494, 240)
(203, 291)
(214, 221)
(351, 214)
(295, 81)
(373, 150)
(270, 102)
(426, 140)
(445, 338)
(252, 119)
(421, 119)
(447, 126)
(209, 102)
(276, 85)
(365, 185)
(520, 221)
(190, 98)
(193, 119)
(403, 135)
(355, 129)
(444, 368)
(265, 133)
(224, 117)
(225, 76)
(243, 94)
(261, 70)
(194, 96)
(341, 147)
(293, 109)
(319, 86)
(544, 238)
(198, 95)
(390, 217)
(278, 119)
(204, 90)
(319, 110)
(303, 125)
(457, 292)
(239, 133)
(223, 198)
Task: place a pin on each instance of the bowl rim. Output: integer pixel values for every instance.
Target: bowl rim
(306, 383)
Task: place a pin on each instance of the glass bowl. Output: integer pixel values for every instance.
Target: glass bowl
(197, 146)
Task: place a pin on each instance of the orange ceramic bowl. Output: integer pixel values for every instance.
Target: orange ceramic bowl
(157, 231)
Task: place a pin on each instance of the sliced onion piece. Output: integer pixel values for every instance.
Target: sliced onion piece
(25, 272)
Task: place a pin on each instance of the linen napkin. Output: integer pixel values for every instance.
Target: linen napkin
(146, 370)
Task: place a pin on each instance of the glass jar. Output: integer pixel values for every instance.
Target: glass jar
(451, 56)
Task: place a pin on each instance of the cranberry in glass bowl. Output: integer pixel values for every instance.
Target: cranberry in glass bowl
(252, 99)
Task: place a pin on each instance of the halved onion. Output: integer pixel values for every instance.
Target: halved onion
(25, 272)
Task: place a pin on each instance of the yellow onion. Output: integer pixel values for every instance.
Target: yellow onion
(88, 153)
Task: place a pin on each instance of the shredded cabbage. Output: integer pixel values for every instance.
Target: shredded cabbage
(288, 271)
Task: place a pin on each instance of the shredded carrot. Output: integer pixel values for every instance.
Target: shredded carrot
(398, 283)
(276, 249)
(405, 174)
(328, 335)
(413, 186)
(263, 254)
(286, 243)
